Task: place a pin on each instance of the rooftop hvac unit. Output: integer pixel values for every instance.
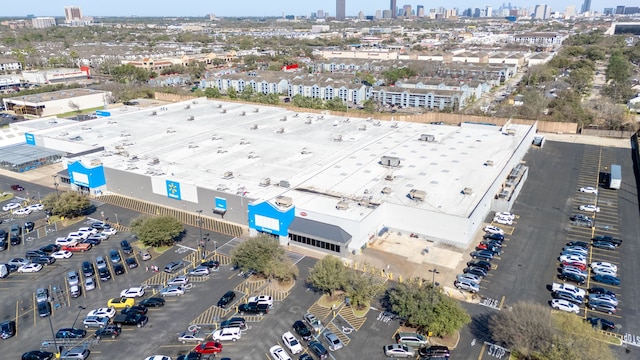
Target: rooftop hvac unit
(243, 113)
(219, 106)
(216, 137)
(305, 151)
(511, 132)
(191, 118)
(170, 130)
(224, 111)
(284, 201)
(346, 121)
(342, 205)
(503, 194)
(308, 121)
(154, 113)
(427, 138)
(363, 201)
(244, 142)
(96, 162)
(228, 175)
(386, 190)
(296, 115)
(254, 127)
(394, 125)
(389, 177)
(362, 127)
(390, 161)
(337, 138)
(252, 155)
(284, 183)
(280, 130)
(221, 150)
(265, 182)
(417, 194)
(467, 191)
(154, 161)
(222, 187)
(488, 163)
(192, 146)
(376, 123)
(187, 107)
(284, 118)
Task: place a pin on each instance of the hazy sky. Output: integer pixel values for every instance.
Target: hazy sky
(258, 7)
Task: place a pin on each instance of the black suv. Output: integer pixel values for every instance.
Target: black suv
(126, 247)
(43, 260)
(87, 269)
(7, 329)
(71, 333)
(105, 274)
(435, 351)
(29, 226)
(317, 348)
(30, 254)
(111, 331)
(302, 330)
(234, 322)
(138, 320)
(253, 308)
(226, 299)
(44, 309)
(16, 230)
(609, 239)
(49, 249)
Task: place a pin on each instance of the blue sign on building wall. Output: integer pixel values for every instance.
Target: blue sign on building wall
(221, 204)
(30, 139)
(266, 217)
(173, 190)
(91, 177)
(102, 113)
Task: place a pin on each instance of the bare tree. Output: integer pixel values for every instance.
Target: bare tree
(74, 106)
(525, 328)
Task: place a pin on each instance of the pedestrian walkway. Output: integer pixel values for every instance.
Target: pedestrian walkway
(334, 329)
(319, 311)
(356, 322)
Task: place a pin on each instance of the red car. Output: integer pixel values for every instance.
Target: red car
(81, 247)
(574, 264)
(211, 347)
(482, 246)
(17, 187)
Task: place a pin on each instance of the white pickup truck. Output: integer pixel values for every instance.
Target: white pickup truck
(568, 288)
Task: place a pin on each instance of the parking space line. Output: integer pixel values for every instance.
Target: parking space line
(319, 311)
(347, 314)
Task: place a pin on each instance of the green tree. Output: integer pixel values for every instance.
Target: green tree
(67, 204)
(580, 80)
(366, 76)
(618, 70)
(212, 93)
(369, 106)
(576, 339)
(328, 275)
(595, 53)
(361, 289)
(264, 255)
(427, 308)
(393, 75)
(335, 104)
(232, 93)
(247, 93)
(157, 231)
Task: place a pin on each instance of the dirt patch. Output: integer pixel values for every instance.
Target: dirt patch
(282, 286)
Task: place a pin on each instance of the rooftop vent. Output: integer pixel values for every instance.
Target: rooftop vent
(192, 146)
(511, 132)
(389, 177)
(296, 115)
(346, 121)
(253, 155)
(386, 190)
(216, 137)
(187, 107)
(96, 162)
(154, 161)
(222, 187)
(224, 111)
(243, 113)
(284, 201)
(191, 118)
(154, 113)
(284, 118)
(337, 138)
(394, 125)
(390, 161)
(363, 201)
(219, 106)
(227, 175)
(488, 163)
(221, 150)
(170, 130)
(376, 123)
(284, 183)
(342, 205)
(305, 151)
(254, 127)
(467, 191)
(417, 194)
(427, 138)
(280, 130)
(308, 121)
(265, 182)
(244, 142)
(256, 110)
(362, 127)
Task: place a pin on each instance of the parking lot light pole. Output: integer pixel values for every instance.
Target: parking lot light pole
(80, 308)
(55, 343)
(55, 184)
(433, 272)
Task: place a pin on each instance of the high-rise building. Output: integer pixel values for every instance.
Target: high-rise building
(570, 11)
(386, 14)
(489, 11)
(541, 11)
(586, 6)
(72, 13)
(321, 14)
(406, 11)
(43, 22)
(378, 14)
(420, 12)
(340, 9)
(394, 9)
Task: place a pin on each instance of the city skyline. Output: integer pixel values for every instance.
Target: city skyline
(255, 8)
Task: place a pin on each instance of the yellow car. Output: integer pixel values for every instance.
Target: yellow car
(120, 303)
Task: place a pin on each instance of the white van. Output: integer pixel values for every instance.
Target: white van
(4, 271)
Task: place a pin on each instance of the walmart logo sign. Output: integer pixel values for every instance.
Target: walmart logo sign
(173, 190)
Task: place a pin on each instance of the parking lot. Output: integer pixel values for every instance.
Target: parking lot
(529, 263)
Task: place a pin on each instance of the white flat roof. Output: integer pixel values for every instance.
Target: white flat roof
(302, 149)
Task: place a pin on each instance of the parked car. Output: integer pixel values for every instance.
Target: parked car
(278, 353)
(580, 280)
(152, 302)
(302, 330)
(95, 321)
(490, 236)
(132, 292)
(603, 245)
(318, 349)
(131, 263)
(482, 254)
(118, 269)
(178, 281)
(493, 230)
(315, 324)
(37, 355)
(398, 350)
(114, 256)
(607, 238)
(76, 353)
(474, 270)
(227, 334)
(607, 279)
(412, 339)
(173, 266)
(235, 322)
(589, 208)
(210, 347)
(103, 312)
(253, 308)
(42, 295)
(589, 190)
(467, 286)
(565, 305)
(600, 290)
(480, 263)
(226, 299)
(602, 306)
(262, 299)
(434, 351)
(43, 260)
(87, 269)
(145, 255)
(563, 295)
(71, 333)
(199, 271)
(581, 244)
(189, 336)
(172, 291)
(101, 262)
(605, 324)
(111, 331)
(105, 274)
(126, 247)
(120, 303)
(30, 268)
(604, 265)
